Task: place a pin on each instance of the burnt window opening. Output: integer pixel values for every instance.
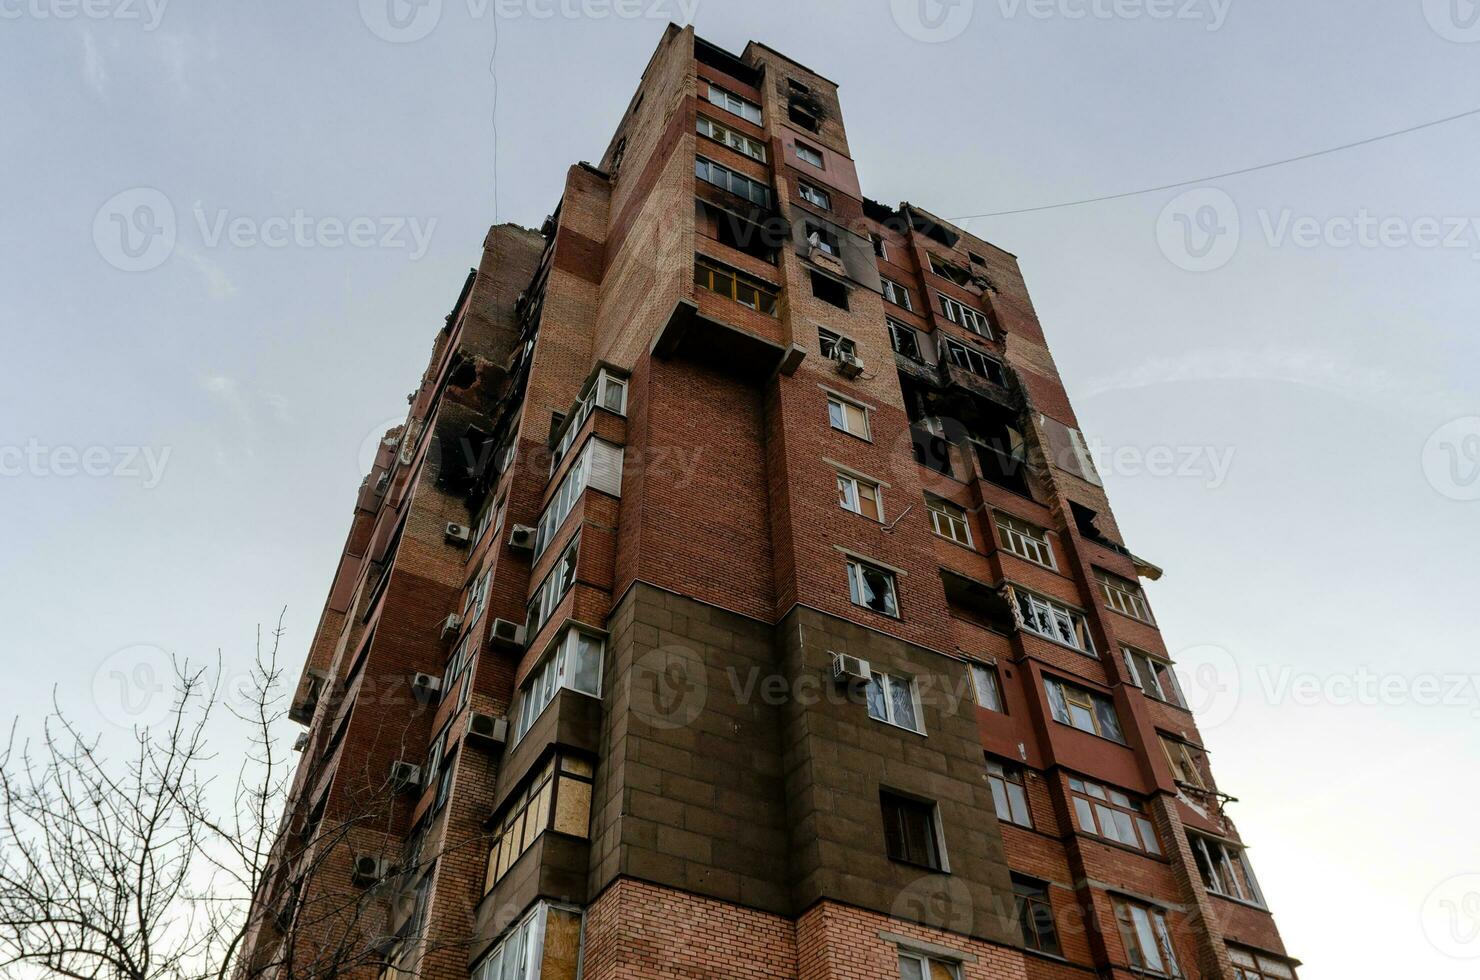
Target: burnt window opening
(1002, 454)
(829, 290)
(759, 240)
(721, 60)
(820, 237)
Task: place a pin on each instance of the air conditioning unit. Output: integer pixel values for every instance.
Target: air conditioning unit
(405, 775)
(451, 625)
(487, 730)
(425, 686)
(521, 538)
(368, 869)
(849, 366)
(457, 533)
(506, 633)
(301, 742)
(849, 669)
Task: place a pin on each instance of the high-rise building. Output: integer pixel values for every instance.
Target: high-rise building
(740, 599)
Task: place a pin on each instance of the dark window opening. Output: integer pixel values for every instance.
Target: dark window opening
(976, 258)
(722, 60)
(820, 237)
(757, 239)
(909, 831)
(879, 249)
(797, 112)
(1035, 915)
(904, 341)
(829, 290)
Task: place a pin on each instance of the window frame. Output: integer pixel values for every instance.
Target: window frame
(976, 362)
(1159, 685)
(545, 599)
(559, 669)
(814, 195)
(1229, 859)
(713, 268)
(930, 810)
(1032, 897)
(994, 683)
(734, 139)
(925, 964)
(1088, 804)
(706, 169)
(857, 485)
(964, 316)
(894, 292)
(1090, 702)
(1133, 937)
(802, 151)
(1124, 596)
(739, 100)
(1057, 612)
(1186, 765)
(1251, 964)
(838, 343)
(886, 683)
(1010, 777)
(940, 509)
(1008, 536)
(843, 404)
(895, 330)
(856, 585)
(827, 239)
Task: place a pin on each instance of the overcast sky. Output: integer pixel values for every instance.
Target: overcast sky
(229, 233)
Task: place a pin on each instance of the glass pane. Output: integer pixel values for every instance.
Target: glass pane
(901, 694)
(846, 495)
(1148, 835)
(1056, 705)
(1019, 799)
(877, 708)
(1109, 724)
(1125, 831)
(868, 501)
(588, 666)
(909, 968)
(942, 971)
(835, 415)
(1081, 718)
(999, 798)
(1085, 817)
(1150, 949)
(987, 693)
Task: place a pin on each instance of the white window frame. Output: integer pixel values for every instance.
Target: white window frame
(558, 670)
(726, 136)
(729, 179)
(607, 391)
(963, 315)
(805, 153)
(897, 294)
(1011, 807)
(814, 195)
(553, 588)
(839, 420)
(1222, 864)
(552, 519)
(850, 491)
(526, 942)
(734, 104)
(840, 345)
(857, 585)
(1028, 541)
(896, 328)
(886, 683)
(1063, 621)
(881, 247)
(937, 506)
(1124, 596)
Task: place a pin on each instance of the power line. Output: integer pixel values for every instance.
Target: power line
(1230, 173)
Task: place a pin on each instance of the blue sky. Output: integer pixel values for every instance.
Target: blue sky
(1279, 367)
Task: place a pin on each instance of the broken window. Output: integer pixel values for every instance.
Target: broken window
(1225, 869)
(1085, 710)
(829, 290)
(973, 360)
(872, 588)
(904, 340)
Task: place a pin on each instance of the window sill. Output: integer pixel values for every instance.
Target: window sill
(903, 728)
(921, 867)
(1078, 832)
(847, 433)
(1060, 643)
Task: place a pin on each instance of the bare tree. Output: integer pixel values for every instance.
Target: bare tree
(154, 859)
